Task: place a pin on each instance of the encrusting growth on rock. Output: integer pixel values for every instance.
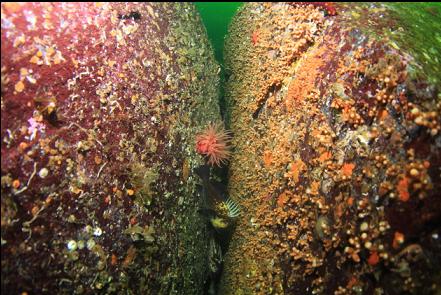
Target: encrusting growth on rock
(336, 151)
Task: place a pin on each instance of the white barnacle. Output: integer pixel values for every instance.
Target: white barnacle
(90, 244)
(97, 232)
(72, 245)
(43, 172)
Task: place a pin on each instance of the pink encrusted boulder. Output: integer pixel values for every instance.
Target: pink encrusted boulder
(100, 104)
(335, 110)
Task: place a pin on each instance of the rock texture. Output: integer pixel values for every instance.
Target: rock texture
(336, 115)
(100, 104)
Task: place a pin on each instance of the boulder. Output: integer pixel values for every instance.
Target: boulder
(335, 110)
(100, 105)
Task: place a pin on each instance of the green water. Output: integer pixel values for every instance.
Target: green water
(413, 28)
(420, 34)
(216, 17)
(418, 21)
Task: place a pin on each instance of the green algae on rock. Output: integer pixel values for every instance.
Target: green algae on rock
(337, 152)
(412, 28)
(100, 106)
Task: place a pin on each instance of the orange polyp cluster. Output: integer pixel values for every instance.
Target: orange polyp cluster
(213, 143)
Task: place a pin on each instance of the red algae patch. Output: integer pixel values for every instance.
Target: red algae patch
(373, 258)
(347, 168)
(403, 189)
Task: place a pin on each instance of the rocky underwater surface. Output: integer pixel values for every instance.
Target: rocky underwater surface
(117, 175)
(100, 106)
(336, 114)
